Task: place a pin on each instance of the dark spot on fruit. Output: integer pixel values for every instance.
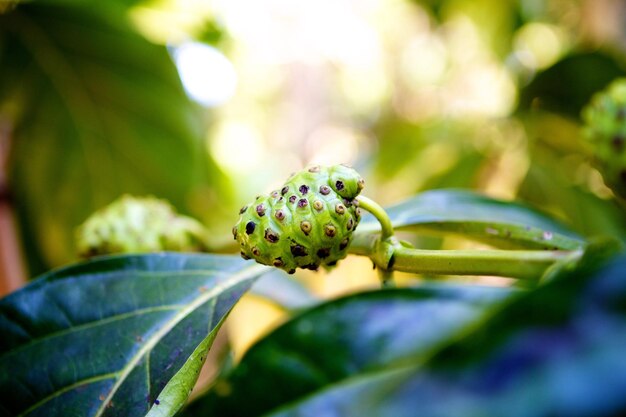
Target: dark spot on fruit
(235, 232)
(312, 267)
(340, 208)
(303, 189)
(293, 199)
(258, 197)
(250, 226)
(243, 209)
(157, 402)
(244, 256)
(280, 215)
(350, 224)
(298, 250)
(344, 244)
(284, 190)
(330, 230)
(260, 210)
(323, 253)
(278, 262)
(360, 183)
(306, 227)
(256, 251)
(274, 194)
(339, 185)
(333, 263)
(315, 168)
(291, 271)
(303, 203)
(618, 143)
(325, 189)
(358, 213)
(318, 205)
(271, 236)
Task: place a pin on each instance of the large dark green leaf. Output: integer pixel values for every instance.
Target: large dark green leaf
(351, 336)
(94, 110)
(103, 338)
(500, 223)
(556, 351)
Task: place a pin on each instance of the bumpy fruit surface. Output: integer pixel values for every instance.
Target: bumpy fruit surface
(308, 223)
(605, 128)
(138, 225)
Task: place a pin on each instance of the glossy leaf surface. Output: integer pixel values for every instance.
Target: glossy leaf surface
(103, 338)
(555, 351)
(500, 223)
(333, 342)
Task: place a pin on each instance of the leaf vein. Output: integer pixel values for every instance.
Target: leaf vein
(196, 303)
(89, 325)
(67, 388)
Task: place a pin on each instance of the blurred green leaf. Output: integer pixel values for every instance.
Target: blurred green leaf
(345, 338)
(104, 337)
(558, 179)
(568, 85)
(416, 150)
(500, 223)
(462, 175)
(585, 211)
(94, 111)
(557, 350)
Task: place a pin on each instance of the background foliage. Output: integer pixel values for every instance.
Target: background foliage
(473, 94)
(94, 111)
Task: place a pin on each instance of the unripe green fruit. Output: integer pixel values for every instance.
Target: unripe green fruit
(138, 225)
(605, 129)
(308, 223)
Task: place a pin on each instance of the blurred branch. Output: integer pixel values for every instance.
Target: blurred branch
(12, 271)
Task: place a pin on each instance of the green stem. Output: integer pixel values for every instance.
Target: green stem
(524, 264)
(386, 278)
(389, 255)
(384, 248)
(380, 214)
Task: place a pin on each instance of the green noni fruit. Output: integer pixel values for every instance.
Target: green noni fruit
(605, 129)
(308, 223)
(138, 225)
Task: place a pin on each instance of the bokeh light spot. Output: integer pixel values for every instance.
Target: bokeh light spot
(207, 75)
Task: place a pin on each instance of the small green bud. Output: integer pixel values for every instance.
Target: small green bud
(307, 224)
(605, 129)
(139, 225)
